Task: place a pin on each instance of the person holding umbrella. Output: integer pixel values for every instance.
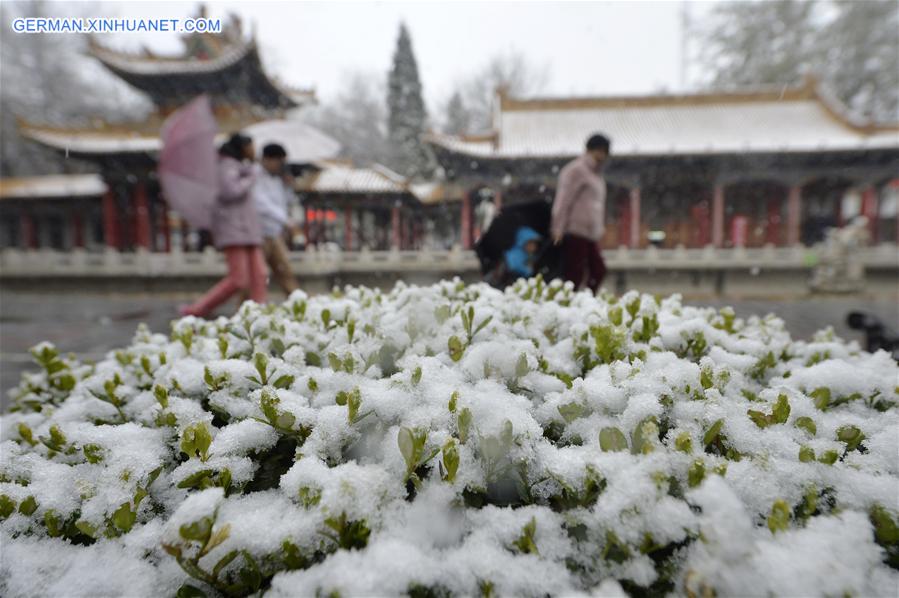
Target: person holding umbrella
(235, 229)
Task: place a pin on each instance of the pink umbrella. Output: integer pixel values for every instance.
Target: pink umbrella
(187, 162)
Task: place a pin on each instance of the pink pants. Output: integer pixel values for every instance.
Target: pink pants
(246, 274)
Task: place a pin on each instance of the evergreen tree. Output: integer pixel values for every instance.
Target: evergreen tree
(458, 118)
(406, 112)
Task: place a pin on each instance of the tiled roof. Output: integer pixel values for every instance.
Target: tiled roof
(51, 186)
(304, 144)
(792, 120)
(339, 177)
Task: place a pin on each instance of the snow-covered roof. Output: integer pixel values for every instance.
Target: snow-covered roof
(434, 192)
(233, 75)
(800, 119)
(304, 144)
(156, 66)
(339, 177)
(52, 186)
(93, 142)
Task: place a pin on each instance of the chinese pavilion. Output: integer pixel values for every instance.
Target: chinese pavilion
(128, 212)
(766, 166)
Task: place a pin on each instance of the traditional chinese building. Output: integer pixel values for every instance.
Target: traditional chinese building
(766, 166)
(129, 212)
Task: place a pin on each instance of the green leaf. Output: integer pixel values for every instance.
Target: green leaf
(612, 440)
(7, 506)
(124, 518)
(779, 519)
(313, 359)
(26, 434)
(781, 411)
(454, 345)
(572, 411)
(525, 543)
(87, 528)
(851, 435)
(310, 497)
(162, 396)
(260, 361)
(416, 376)
(616, 315)
(829, 457)
(454, 398)
(463, 424)
(696, 473)
(821, 397)
(189, 591)
(334, 362)
(806, 454)
(93, 453)
(53, 523)
(195, 441)
(198, 530)
(521, 367)
(807, 424)
(886, 530)
(684, 442)
(28, 506)
(450, 460)
(644, 435)
(760, 419)
(283, 381)
(406, 443)
(712, 433)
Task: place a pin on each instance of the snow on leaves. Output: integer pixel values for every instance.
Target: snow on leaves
(457, 440)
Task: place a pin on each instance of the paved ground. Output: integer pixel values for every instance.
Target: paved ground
(92, 324)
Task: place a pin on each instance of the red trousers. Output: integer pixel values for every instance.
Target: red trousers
(581, 258)
(246, 273)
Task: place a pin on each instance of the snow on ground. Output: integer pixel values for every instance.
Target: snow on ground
(456, 440)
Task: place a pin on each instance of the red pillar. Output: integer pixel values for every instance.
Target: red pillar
(718, 216)
(624, 223)
(29, 231)
(634, 233)
(700, 214)
(141, 216)
(308, 215)
(348, 229)
(165, 227)
(870, 211)
(794, 215)
(77, 229)
(111, 221)
(772, 226)
(466, 220)
(395, 227)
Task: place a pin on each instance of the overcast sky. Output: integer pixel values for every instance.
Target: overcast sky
(588, 48)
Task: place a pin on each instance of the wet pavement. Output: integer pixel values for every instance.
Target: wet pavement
(90, 324)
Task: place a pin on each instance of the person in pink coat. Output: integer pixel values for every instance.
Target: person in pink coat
(235, 230)
(578, 213)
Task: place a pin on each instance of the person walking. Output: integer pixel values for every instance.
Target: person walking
(578, 213)
(235, 229)
(273, 196)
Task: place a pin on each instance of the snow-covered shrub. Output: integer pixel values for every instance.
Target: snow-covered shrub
(456, 440)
